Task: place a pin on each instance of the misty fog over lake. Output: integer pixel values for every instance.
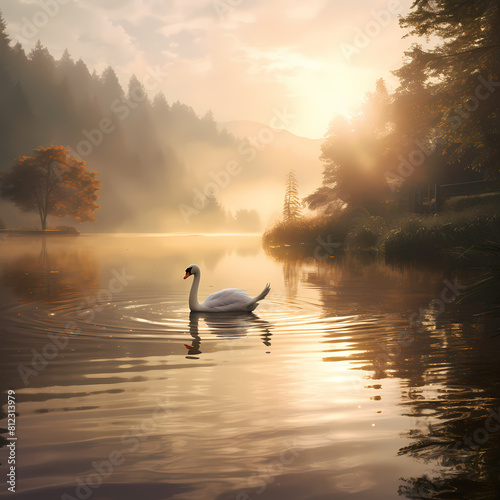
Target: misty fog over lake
(250, 250)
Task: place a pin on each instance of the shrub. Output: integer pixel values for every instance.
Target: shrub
(411, 239)
(307, 230)
(424, 237)
(486, 202)
(366, 232)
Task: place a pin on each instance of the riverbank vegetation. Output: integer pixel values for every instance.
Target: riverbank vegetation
(414, 172)
(462, 224)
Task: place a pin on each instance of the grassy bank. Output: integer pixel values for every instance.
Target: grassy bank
(465, 222)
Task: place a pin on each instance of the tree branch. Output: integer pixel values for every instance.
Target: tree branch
(464, 52)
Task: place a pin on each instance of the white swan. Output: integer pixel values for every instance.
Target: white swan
(230, 299)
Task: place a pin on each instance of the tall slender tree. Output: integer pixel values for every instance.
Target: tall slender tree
(4, 38)
(292, 205)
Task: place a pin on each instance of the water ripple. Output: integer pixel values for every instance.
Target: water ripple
(168, 317)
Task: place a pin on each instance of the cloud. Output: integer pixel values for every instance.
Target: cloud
(242, 62)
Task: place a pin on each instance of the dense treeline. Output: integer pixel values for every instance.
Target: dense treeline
(441, 126)
(129, 137)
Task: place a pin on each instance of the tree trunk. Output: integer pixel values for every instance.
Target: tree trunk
(43, 219)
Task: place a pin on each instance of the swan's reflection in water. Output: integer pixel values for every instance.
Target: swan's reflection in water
(230, 326)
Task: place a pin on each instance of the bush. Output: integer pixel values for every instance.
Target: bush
(486, 202)
(424, 237)
(306, 231)
(293, 232)
(3, 225)
(366, 232)
(411, 237)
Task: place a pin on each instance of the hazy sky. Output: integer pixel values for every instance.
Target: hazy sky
(243, 59)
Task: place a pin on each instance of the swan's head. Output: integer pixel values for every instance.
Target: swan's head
(192, 269)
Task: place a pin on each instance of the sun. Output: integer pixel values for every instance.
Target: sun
(318, 95)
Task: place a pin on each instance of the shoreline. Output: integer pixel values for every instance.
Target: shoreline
(35, 232)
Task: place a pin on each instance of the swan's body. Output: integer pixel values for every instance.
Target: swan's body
(228, 300)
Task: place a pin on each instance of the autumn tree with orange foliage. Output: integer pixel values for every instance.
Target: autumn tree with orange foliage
(51, 182)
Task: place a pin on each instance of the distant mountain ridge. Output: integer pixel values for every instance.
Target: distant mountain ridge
(249, 128)
(157, 160)
(278, 153)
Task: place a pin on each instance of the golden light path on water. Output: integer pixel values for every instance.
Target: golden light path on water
(291, 401)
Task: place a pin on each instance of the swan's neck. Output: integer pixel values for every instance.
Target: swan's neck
(194, 305)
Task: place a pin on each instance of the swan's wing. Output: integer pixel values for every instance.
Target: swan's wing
(230, 299)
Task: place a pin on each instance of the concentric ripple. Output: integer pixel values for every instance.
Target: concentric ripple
(148, 316)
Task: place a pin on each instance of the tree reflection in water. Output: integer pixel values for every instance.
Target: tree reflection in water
(52, 275)
(447, 365)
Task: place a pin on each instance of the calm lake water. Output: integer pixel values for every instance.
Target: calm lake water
(354, 379)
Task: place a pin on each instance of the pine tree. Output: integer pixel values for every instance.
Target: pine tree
(4, 38)
(292, 205)
(136, 91)
(110, 89)
(42, 59)
(160, 104)
(66, 62)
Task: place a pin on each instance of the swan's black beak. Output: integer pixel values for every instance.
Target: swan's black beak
(188, 274)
